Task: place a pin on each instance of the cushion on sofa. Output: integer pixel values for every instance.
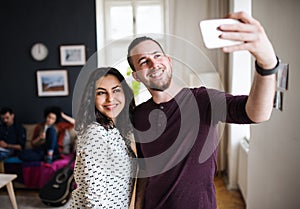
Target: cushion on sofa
(29, 134)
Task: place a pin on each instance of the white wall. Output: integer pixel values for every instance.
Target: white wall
(274, 166)
(184, 18)
(239, 83)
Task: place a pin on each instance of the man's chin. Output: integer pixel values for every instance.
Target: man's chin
(160, 87)
(157, 89)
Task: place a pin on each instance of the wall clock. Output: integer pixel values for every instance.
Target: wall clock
(39, 51)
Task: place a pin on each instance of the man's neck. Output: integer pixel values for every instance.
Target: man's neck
(9, 124)
(166, 95)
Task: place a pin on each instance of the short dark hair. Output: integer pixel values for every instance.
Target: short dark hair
(135, 42)
(55, 110)
(5, 110)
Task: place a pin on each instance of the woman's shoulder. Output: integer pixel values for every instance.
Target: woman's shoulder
(39, 126)
(94, 129)
(62, 125)
(93, 133)
(94, 126)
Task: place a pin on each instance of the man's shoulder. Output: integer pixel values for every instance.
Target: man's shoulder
(144, 105)
(204, 91)
(18, 125)
(19, 128)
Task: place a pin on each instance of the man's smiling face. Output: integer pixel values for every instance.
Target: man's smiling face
(153, 67)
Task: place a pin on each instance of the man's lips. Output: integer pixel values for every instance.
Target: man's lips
(156, 74)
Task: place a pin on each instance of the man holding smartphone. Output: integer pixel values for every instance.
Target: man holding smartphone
(177, 124)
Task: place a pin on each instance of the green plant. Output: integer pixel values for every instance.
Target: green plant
(135, 85)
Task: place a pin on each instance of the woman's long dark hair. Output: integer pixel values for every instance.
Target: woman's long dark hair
(88, 113)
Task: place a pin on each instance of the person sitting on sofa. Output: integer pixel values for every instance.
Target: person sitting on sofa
(12, 134)
(47, 136)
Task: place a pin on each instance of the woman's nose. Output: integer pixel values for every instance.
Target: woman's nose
(110, 97)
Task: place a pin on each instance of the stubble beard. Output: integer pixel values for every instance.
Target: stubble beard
(161, 86)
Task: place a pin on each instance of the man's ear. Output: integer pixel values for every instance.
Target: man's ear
(134, 74)
(170, 60)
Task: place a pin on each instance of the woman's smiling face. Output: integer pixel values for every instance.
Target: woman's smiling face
(109, 96)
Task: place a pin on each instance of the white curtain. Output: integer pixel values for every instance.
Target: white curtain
(184, 18)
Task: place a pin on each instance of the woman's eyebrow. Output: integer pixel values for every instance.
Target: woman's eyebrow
(117, 86)
(101, 88)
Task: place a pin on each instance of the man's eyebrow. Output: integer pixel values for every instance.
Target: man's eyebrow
(155, 52)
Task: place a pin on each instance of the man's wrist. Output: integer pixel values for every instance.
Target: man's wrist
(266, 72)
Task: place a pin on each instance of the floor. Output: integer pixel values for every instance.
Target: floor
(228, 199)
(225, 199)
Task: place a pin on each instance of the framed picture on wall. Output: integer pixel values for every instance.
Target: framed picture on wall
(72, 55)
(52, 83)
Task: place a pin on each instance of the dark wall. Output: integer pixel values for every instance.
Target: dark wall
(53, 22)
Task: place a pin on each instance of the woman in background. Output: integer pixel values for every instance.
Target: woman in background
(104, 168)
(47, 136)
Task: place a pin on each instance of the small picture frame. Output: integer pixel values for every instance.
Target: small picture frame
(72, 55)
(52, 83)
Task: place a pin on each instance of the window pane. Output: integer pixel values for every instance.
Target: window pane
(121, 22)
(149, 19)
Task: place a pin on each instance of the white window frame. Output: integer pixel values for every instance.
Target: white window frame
(102, 18)
(134, 4)
(102, 36)
(107, 18)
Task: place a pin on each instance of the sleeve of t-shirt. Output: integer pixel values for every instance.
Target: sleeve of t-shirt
(222, 106)
(236, 110)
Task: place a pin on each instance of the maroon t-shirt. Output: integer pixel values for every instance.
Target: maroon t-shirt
(177, 145)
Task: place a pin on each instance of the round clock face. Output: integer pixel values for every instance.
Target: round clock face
(39, 51)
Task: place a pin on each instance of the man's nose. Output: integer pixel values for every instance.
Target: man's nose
(153, 63)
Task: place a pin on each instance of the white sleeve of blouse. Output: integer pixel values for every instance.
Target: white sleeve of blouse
(91, 167)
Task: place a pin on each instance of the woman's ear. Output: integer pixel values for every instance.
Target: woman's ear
(134, 74)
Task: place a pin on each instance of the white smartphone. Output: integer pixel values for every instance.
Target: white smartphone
(210, 33)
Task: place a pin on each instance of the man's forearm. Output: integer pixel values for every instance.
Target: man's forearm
(254, 39)
(14, 146)
(261, 98)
